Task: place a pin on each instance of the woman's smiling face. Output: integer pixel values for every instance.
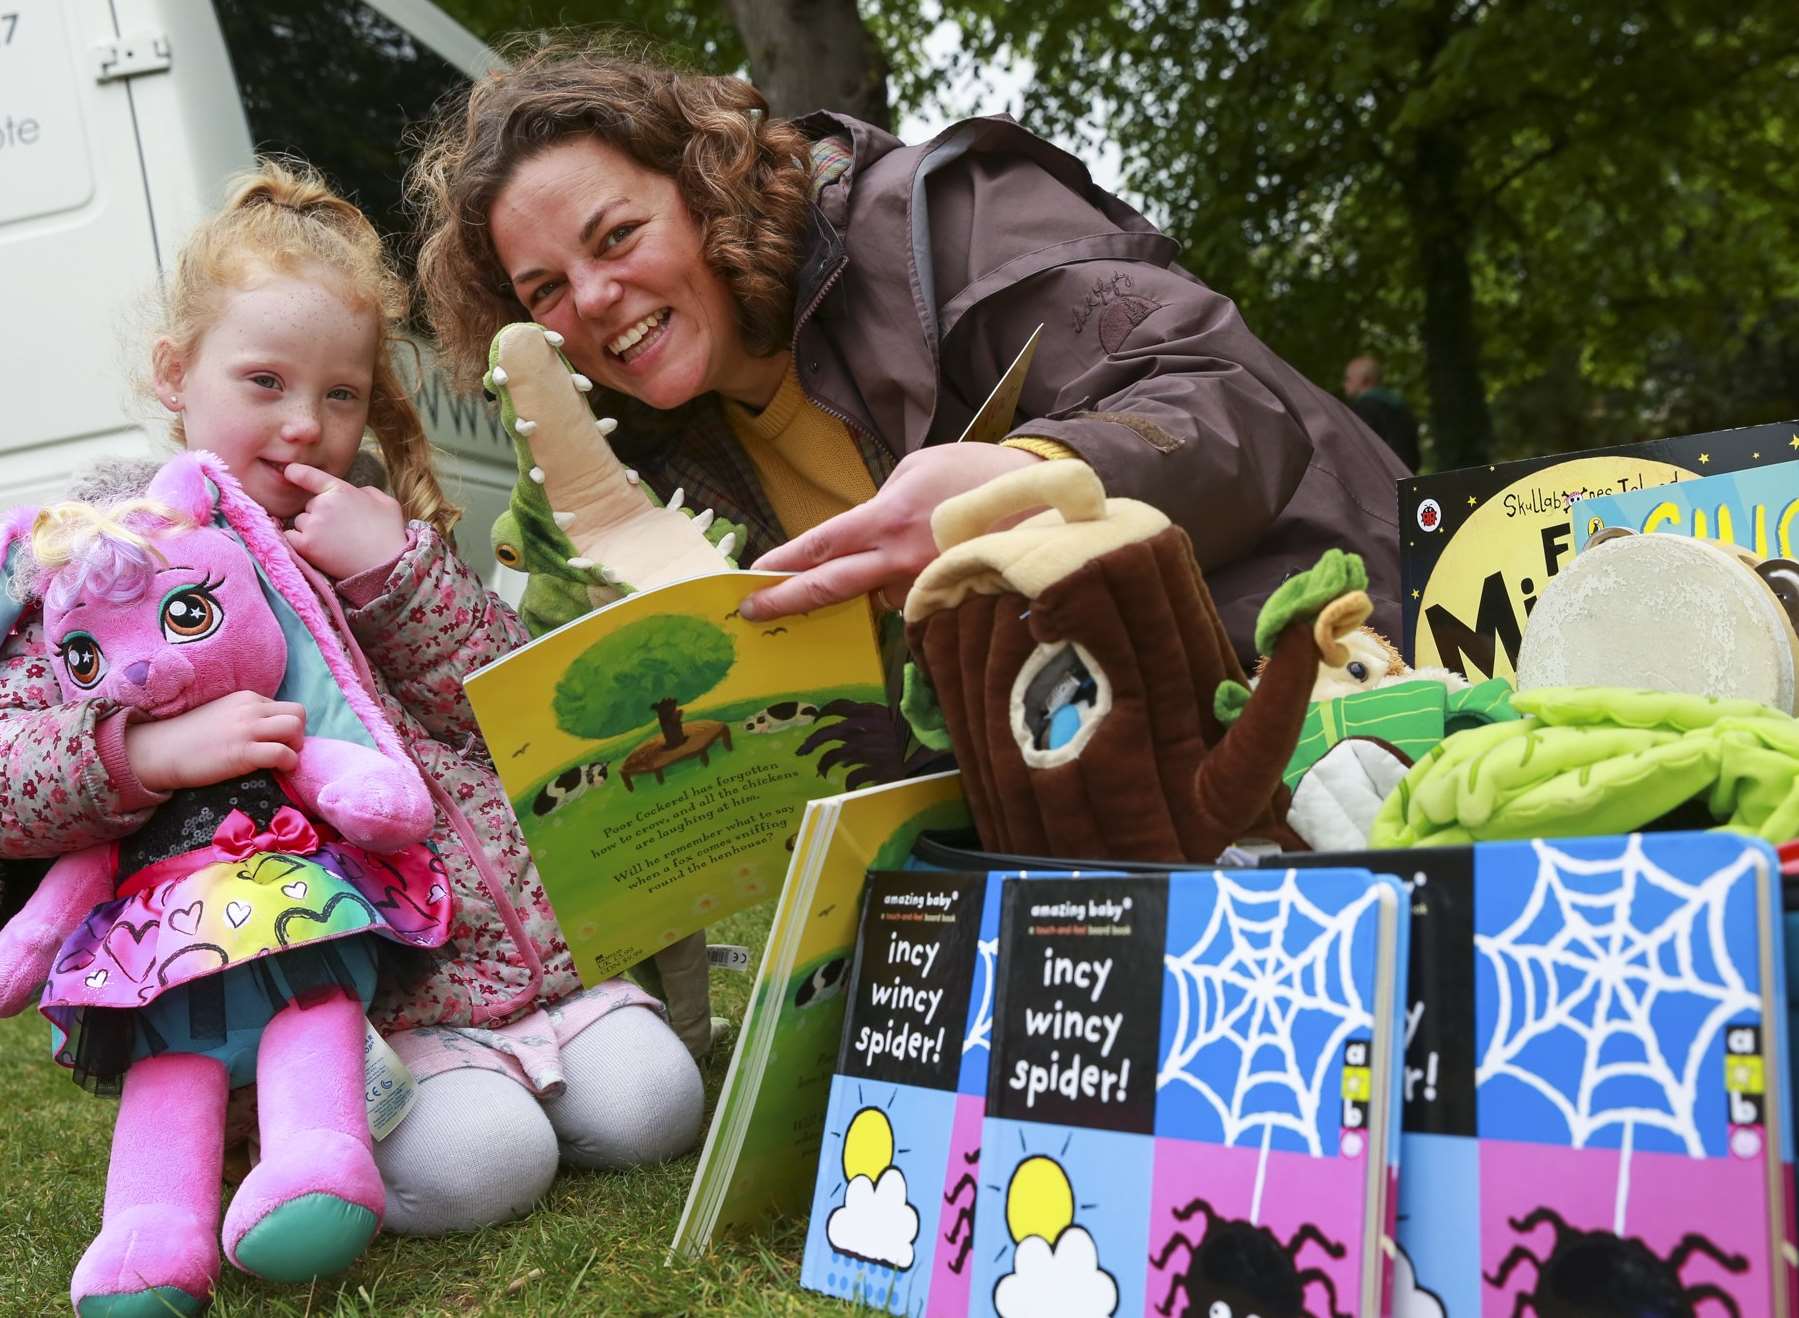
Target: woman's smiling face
(604, 251)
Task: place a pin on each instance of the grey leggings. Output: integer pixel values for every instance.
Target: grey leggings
(479, 1148)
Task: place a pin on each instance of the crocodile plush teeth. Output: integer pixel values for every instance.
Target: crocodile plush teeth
(537, 474)
(580, 564)
(630, 476)
(610, 577)
(499, 375)
(702, 519)
(553, 338)
(607, 425)
(676, 499)
(581, 381)
(525, 427)
(729, 543)
(564, 519)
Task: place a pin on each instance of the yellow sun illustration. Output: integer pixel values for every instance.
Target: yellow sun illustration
(867, 1145)
(1039, 1201)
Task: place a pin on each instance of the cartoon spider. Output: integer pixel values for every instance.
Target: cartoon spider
(1238, 1268)
(1596, 1274)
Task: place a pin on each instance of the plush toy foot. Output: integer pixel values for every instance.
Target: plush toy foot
(307, 1211)
(370, 811)
(149, 1261)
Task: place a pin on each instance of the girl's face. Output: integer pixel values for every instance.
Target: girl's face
(282, 375)
(605, 252)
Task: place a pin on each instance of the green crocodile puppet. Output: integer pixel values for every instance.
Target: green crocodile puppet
(586, 531)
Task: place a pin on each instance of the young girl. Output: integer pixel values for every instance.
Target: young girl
(276, 355)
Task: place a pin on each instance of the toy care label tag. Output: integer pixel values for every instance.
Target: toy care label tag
(723, 956)
(388, 1086)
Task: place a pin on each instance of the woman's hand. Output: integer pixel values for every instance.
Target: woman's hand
(227, 738)
(344, 529)
(885, 543)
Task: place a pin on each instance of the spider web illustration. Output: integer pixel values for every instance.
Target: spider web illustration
(1266, 997)
(1610, 987)
(980, 1024)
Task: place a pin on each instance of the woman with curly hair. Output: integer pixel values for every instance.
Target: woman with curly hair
(791, 318)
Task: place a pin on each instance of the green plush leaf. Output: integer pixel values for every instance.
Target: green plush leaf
(1302, 596)
(1229, 702)
(919, 704)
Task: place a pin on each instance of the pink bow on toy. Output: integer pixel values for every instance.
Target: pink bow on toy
(289, 831)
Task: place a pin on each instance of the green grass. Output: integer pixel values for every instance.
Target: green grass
(594, 1246)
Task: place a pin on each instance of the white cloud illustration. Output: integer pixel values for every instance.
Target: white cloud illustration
(875, 1222)
(1410, 1300)
(1061, 1282)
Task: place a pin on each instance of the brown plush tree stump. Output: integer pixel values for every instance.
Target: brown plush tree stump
(654, 756)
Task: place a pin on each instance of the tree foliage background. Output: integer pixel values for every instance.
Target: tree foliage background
(1560, 222)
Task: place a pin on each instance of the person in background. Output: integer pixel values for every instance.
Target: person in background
(793, 320)
(1384, 411)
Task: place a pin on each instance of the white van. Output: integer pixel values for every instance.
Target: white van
(120, 121)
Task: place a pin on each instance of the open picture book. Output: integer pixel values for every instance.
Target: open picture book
(658, 751)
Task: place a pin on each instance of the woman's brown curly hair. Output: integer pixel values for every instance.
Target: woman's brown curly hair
(745, 178)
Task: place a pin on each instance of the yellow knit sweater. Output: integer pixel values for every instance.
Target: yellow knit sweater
(807, 462)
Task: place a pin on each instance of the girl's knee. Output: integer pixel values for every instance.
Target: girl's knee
(475, 1150)
(634, 1093)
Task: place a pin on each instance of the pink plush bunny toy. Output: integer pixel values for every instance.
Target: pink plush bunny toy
(234, 937)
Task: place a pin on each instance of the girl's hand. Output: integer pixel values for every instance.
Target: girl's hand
(344, 529)
(227, 738)
(882, 545)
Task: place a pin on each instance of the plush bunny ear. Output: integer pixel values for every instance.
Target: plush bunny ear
(15, 529)
(15, 543)
(181, 484)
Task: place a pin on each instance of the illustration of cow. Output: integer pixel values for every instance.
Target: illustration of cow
(568, 785)
(780, 716)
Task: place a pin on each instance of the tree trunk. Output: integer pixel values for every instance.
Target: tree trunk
(1461, 426)
(810, 55)
(668, 714)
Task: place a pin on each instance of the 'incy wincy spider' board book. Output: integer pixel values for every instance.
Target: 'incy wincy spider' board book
(1193, 1096)
(1595, 1105)
(760, 1151)
(911, 1108)
(893, 1210)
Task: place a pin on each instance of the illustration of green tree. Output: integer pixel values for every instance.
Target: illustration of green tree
(647, 670)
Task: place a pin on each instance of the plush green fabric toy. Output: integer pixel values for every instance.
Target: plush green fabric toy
(580, 524)
(586, 531)
(1411, 717)
(1591, 760)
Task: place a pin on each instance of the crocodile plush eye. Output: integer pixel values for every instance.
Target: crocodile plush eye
(507, 555)
(1358, 670)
